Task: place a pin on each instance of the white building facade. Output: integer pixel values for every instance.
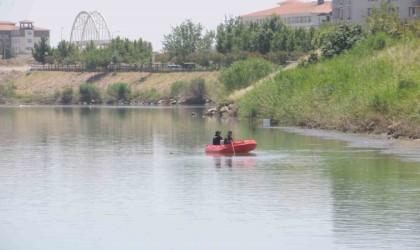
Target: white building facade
(296, 13)
(356, 11)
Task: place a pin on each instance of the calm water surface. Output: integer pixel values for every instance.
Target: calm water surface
(138, 178)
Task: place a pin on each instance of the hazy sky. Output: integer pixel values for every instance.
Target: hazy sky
(149, 20)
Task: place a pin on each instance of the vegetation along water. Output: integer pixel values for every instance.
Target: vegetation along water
(349, 77)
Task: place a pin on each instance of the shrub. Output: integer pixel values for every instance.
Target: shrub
(340, 39)
(198, 88)
(384, 19)
(312, 59)
(377, 42)
(194, 91)
(7, 90)
(119, 91)
(177, 88)
(279, 57)
(89, 93)
(149, 95)
(379, 104)
(67, 95)
(8, 53)
(242, 74)
(406, 84)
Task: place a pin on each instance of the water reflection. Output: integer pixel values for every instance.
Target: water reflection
(375, 205)
(246, 160)
(79, 171)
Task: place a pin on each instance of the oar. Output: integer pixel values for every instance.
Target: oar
(233, 148)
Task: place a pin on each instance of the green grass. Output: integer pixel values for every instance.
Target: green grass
(375, 85)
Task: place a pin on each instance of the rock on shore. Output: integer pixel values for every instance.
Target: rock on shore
(224, 110)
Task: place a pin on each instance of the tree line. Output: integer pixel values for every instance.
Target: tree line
(189, 42)
(117, 52)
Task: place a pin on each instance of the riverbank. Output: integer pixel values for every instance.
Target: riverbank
(366, 90)
(21, 86)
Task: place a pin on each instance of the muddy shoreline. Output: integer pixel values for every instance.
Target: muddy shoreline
(406, 150)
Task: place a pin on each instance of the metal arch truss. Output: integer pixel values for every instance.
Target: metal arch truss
(90, 26)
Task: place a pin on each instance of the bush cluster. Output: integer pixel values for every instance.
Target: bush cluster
(242, 74)
(119, 92)
(89, 93)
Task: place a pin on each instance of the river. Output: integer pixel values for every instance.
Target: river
(138, 178)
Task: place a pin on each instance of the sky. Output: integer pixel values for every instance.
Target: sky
(133, 19)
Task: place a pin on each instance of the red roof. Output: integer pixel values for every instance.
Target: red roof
(7, 23)
(294, 7)
(8, 26)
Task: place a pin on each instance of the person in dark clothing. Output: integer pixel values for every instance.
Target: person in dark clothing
(229, 138)
(217, 138)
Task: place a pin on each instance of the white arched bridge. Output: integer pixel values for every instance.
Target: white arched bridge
(90, 26)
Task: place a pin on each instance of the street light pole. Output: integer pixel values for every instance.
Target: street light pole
(61, 34)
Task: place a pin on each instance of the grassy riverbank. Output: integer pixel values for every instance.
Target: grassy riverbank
(365, 90)
(46, 87)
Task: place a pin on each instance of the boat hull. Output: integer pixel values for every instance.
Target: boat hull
(239, 147)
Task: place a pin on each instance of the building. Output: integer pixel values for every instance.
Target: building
(356, 11)
(21, 39)
(296, 13)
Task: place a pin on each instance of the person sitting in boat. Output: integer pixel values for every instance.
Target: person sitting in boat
(228, 138)
(217, 138)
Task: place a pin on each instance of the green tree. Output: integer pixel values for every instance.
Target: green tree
(185, 39)
(231, 35)
(41, 50)
(142, 51)
(62, 51)
(270, 35)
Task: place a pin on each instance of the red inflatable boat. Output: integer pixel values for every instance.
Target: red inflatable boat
(244, 146)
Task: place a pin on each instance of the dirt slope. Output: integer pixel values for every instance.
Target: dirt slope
(46, 83)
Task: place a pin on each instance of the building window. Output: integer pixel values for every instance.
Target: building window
(29, 40)
(411, 11)
(369, 11)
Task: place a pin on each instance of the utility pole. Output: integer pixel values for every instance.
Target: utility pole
(61, 34)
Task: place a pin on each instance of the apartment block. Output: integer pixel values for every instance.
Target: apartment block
(22, 38)
(356, 11)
